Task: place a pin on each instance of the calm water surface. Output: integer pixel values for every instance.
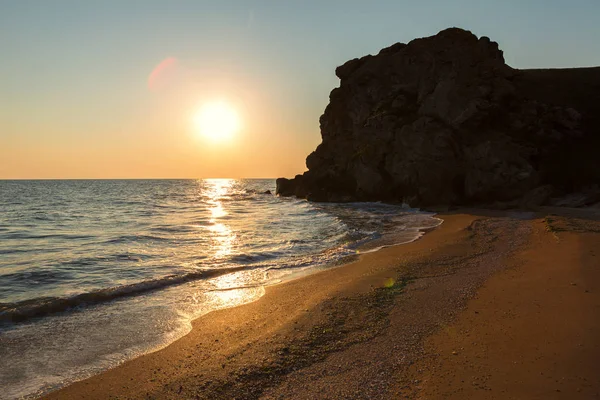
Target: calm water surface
(95, 272)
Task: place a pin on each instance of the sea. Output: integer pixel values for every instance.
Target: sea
(96, 272)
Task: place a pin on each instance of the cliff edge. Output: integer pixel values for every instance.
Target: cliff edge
(444, 120)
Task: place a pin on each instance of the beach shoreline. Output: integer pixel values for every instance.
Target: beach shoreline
(351, 332)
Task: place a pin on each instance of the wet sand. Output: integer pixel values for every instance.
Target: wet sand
(489, 305)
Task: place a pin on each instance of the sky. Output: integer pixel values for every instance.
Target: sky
(111, 88)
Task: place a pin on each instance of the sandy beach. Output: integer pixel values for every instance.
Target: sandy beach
(288, 200)
(489, 305)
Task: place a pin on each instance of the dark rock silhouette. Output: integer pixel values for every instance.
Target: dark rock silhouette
(444, 120)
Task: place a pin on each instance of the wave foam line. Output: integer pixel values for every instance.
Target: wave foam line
(25, 310)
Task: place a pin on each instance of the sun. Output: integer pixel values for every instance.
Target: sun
(217, 121)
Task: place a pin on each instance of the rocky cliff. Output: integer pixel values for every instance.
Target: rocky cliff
(444, 120)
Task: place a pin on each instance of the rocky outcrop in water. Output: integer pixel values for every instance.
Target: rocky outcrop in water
(444, 120)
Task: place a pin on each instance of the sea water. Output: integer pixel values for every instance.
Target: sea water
(96, 272)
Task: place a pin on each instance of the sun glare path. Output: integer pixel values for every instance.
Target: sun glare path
(223, 238)
(217, 121)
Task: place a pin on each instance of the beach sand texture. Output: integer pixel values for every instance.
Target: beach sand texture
(490, 305)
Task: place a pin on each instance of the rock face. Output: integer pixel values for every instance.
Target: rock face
(444, 120)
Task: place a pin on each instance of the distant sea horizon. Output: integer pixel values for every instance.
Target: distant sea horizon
(126, 179)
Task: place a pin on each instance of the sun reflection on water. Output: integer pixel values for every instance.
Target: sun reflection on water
(217, 212)
(233, 288)
(222, 236)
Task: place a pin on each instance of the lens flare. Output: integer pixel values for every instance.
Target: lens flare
(160, 74)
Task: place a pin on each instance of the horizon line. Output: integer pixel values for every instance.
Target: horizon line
(120, 179)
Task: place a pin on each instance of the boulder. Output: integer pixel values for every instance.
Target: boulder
(444, 120)
(587, 197)
(536, 197)
(290, 187)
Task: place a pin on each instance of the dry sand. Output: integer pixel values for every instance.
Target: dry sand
(489, 305)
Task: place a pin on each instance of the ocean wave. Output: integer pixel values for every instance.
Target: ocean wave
(45, 276)
(237, 198)
(63, 236)
(297, 241)
(254, 257)
(15, 251)
(83, 261)
(122, 202)
(401, 235)
(174, 229)
(40, 307)
(135, 238)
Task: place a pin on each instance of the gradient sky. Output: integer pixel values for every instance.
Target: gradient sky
(75, 99)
